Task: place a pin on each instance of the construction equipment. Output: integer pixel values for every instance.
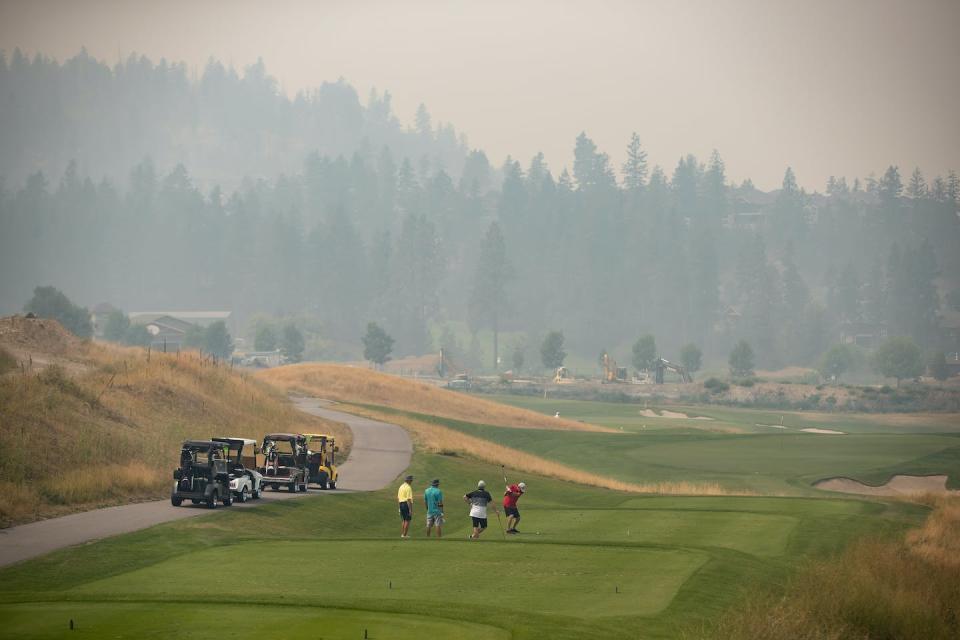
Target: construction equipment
(611, 372)
(661, 366)
(320, 460)
(563, 376)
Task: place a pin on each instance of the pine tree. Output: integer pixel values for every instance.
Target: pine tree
(635, 167)
(488, 299)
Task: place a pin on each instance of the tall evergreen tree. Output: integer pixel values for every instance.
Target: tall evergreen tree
(488, 299)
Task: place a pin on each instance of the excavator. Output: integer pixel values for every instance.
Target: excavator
(611, 372)
(661, 366)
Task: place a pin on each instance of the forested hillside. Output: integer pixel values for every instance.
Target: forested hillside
(356, 231)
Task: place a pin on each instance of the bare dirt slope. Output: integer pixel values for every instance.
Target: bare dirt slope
(365, 386)
(90, 425)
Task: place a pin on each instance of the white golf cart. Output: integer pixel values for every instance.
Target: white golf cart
(245, 481)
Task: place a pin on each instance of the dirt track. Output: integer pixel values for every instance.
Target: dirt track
(380, 453)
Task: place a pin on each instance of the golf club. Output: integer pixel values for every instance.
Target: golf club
(502, 532)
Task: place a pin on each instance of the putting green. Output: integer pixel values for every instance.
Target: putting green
(187, 621)
(552, 579)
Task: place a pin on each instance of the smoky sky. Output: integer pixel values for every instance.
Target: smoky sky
(841, 87)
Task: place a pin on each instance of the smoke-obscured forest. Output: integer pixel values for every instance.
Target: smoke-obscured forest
(142, 186)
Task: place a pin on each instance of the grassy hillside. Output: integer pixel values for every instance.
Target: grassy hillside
(88, 425)
(356, 385)
(590, 563)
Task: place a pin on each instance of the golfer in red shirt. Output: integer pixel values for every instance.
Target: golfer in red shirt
(510, 497)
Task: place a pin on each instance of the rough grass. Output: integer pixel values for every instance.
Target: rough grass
(436, 438)
(907, 588)
(353, 384)
(109, 431)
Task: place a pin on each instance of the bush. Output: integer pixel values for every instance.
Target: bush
(716, 385)
(744, 382)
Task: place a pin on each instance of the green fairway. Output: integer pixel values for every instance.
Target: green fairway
(770, 462)
(604, 565)
(629, 416)
(160, 620)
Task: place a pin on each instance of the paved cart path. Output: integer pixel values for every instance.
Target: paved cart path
(379, 454)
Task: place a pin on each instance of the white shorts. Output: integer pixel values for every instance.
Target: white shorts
(435, 520)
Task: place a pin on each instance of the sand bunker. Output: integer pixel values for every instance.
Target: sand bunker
(827, 431)
(650, 413)
(772, 426)
(896, 486)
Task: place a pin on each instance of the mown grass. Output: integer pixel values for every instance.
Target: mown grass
(108, 429)
(683, 563)
(445, 435)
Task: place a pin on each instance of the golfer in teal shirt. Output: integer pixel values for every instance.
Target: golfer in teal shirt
(433, 498)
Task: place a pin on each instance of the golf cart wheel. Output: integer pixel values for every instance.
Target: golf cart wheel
(303, 488)
(275, 487)
(227, 499)
(322, 480)
(176, 501)
(212, 501)
(292, 487)
(242, 497)
(256, 494)
(196, 501)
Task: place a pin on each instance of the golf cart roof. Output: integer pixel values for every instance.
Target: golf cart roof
(236, 442)
(311, 436)
(282, 436)
(200, 444)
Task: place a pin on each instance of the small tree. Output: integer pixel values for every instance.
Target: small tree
(741, 360)
(836, 361)
(898, 358)
(50, 302)
(551, 351)
(265, 338)
(292, 343)
(377, 345)
(937, 364)
(691, 358)
(217, 340)
(116, 326)
(644, 353)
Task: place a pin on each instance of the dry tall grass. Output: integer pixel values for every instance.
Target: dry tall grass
(876, 589)
(109, 429)
(353, 384)
(440, 439)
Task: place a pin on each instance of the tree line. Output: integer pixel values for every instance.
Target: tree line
(430, 245)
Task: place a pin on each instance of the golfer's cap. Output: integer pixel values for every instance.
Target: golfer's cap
(409, 478)
(481, 484)
(523, 486)
(435, 481)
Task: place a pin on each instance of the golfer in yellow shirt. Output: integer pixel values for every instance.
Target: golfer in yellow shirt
(405, 499)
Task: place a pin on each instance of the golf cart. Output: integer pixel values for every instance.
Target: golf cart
(285, 461)
(202, 476)
(320, 460)
(245, 480)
